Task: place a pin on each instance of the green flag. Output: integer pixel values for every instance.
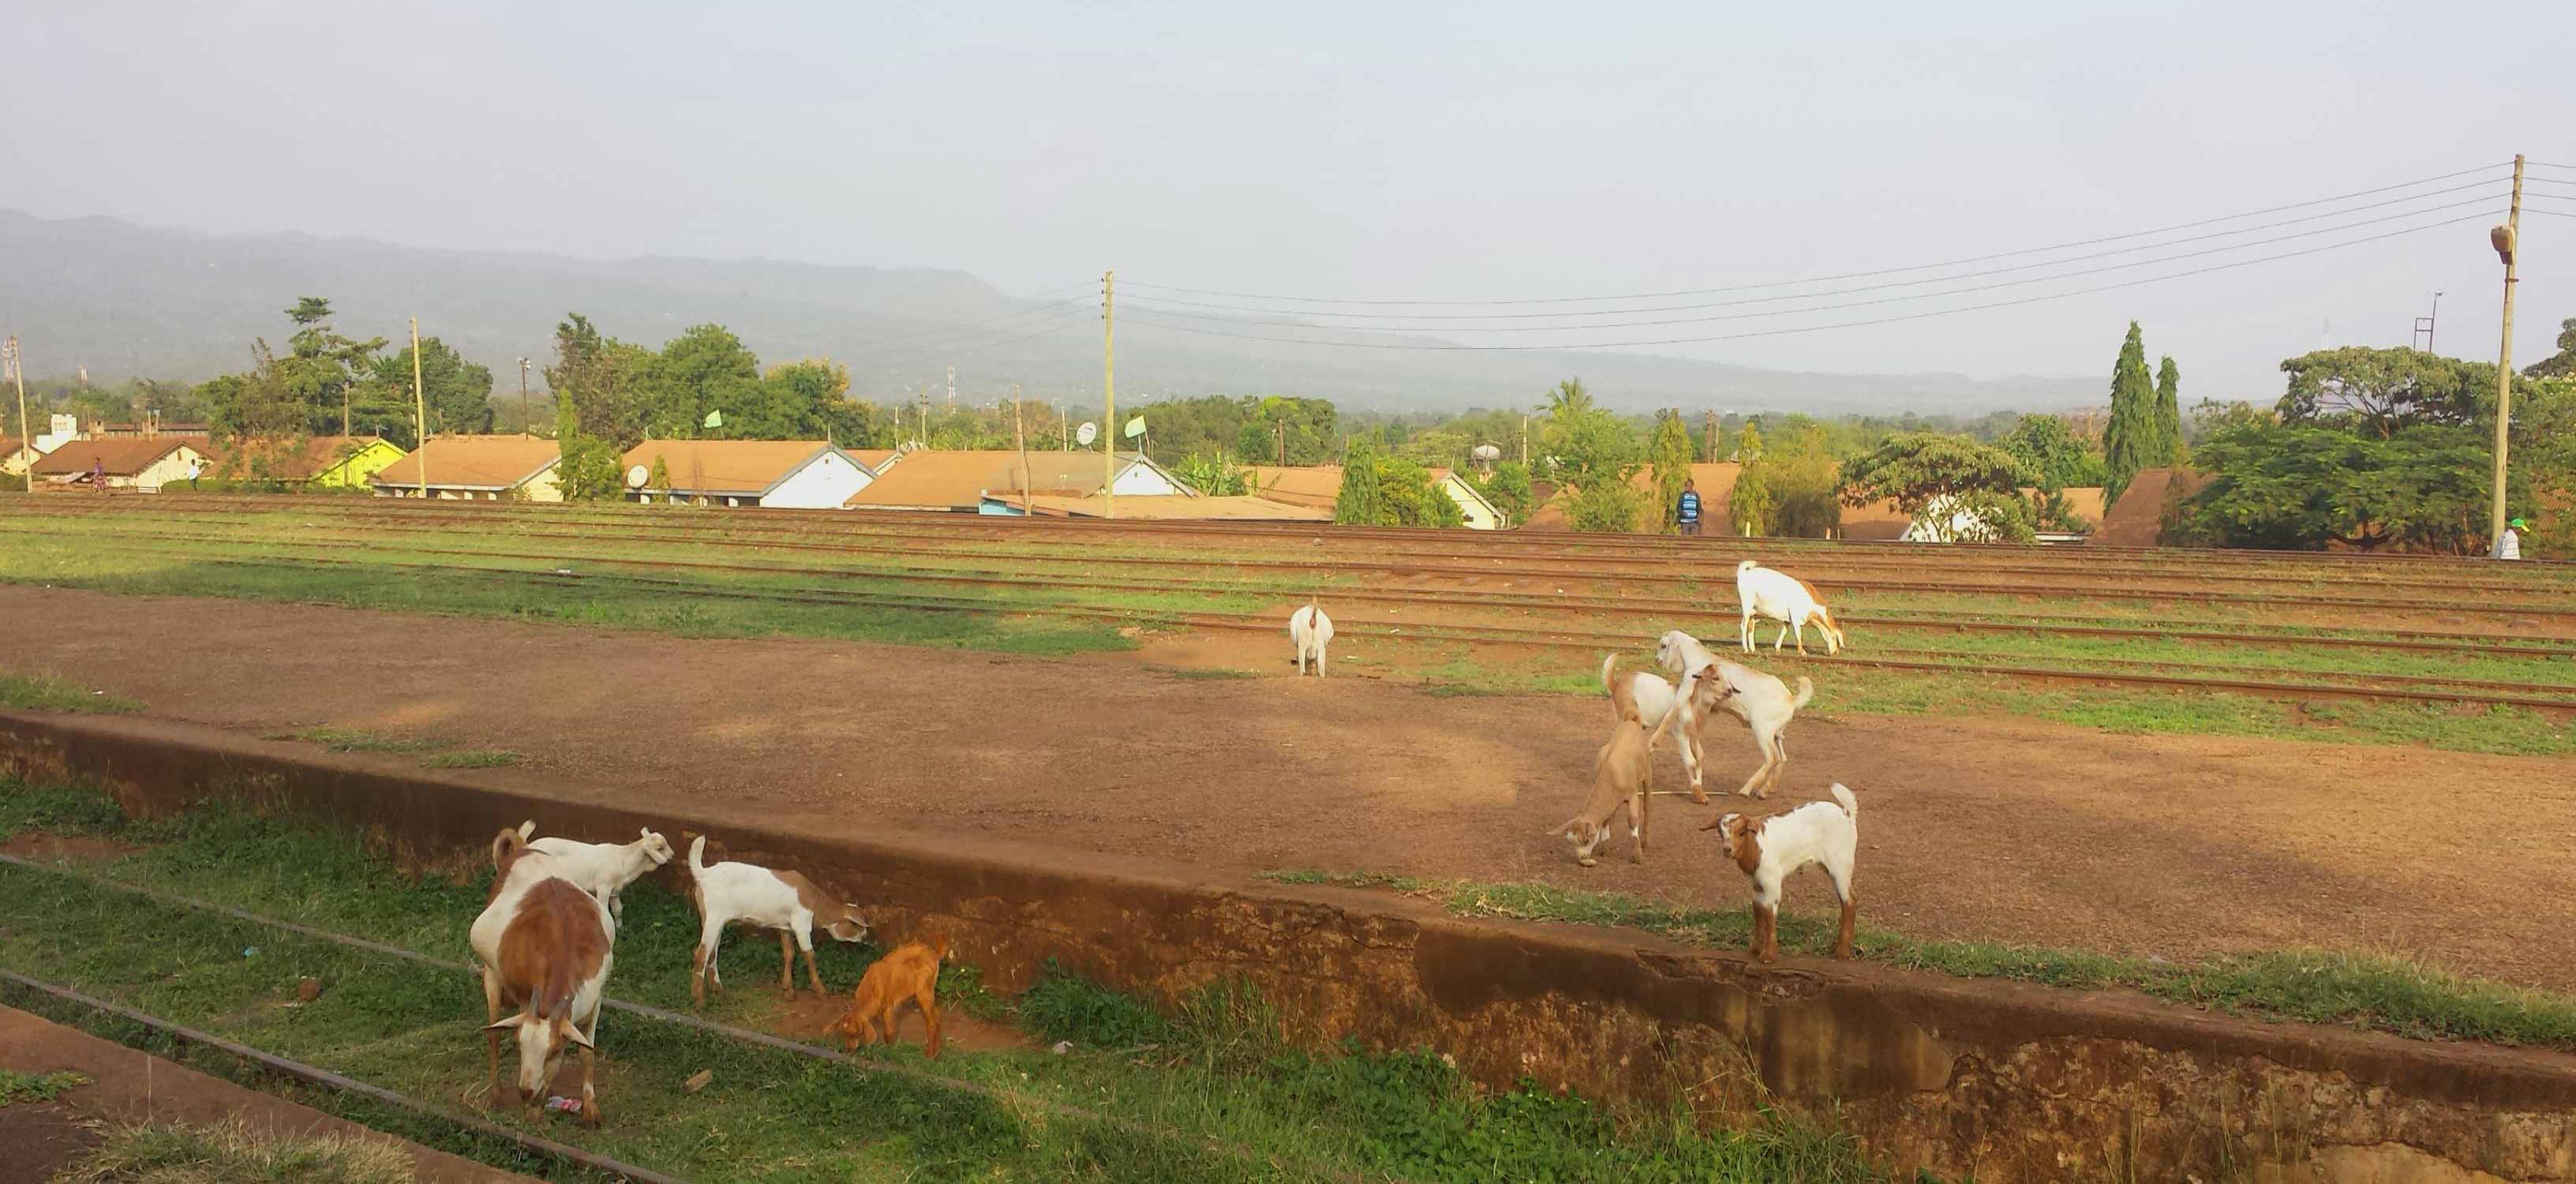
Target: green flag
(715, 419)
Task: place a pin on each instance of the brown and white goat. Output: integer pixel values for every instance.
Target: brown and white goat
(545, 945)
(1767, 850)
(728, 892)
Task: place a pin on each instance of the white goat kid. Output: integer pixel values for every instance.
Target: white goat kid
(1763, 702)
(1767, 850)
(1781, 597)
(1309, 630)
(785, 901)
(602, 869)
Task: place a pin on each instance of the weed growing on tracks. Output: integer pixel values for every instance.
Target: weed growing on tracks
(36, 1087)
(2362, 990)
(360, 740)
(472, 758)
(1170, 1089)
(231, 1152)
(51, 692)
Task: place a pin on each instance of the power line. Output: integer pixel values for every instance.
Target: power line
(1059, 324)
(1861, 305)
(1938, 279)
(1025, 310)
(1938, 312)
(1853, 275)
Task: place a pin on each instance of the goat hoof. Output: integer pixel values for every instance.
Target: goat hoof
(1587, 861)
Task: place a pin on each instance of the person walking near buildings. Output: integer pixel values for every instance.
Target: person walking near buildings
(1687, 513)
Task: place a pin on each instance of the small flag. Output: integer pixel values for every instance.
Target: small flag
(715, 419)
(1135, 427)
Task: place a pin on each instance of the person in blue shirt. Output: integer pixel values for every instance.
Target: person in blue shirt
(1688, 512)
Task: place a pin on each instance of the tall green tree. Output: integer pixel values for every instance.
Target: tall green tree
(594, 375)
(2130, 443)
(2380, 391)
(704, 370)
(589, 468)
(2051, 455)
(456, 394)
(1670, 451)
(1509, 489)
(2561, 364)
(2169, 450)
(1357, 504)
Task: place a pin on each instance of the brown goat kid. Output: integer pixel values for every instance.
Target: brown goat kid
(911, 973)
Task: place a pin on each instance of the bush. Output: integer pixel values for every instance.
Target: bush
(1606, 507)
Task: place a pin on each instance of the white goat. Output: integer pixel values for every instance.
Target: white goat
(1309, 630)
(602, 869)
(545, 945)
(785, 901)
(1781, 597)
(1761, 700)
(1768, 849)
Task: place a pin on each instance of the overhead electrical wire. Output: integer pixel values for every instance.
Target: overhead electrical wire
(1938, 279)
(2487, 168)
(1779, 312)
(1939, 312)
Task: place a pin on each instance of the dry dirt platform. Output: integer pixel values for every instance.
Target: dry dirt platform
(128, 1085)
(1987, 828)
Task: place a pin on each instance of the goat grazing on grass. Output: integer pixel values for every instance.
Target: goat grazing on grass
(1309, 630)
(602, 869)
(910, 974)
(1769, 849)
(1781, 597)
(1622, 773)
(1761, 700)
(724, 893)
(545, 945)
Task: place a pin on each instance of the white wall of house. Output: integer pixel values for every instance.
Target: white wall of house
(1138, 480)
(824, 483)
(182, 463)
(1471, 506)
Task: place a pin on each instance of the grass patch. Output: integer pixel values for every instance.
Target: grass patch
(472, 758)
(36, 1087)
(360, 740)
(1173, 1088)
(52, 692)
(233, 1153)
(2374, 992)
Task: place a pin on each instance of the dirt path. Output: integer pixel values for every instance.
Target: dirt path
(127, 1085)
(1991, 828)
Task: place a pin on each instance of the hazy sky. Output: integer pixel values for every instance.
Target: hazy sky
(1383, 151)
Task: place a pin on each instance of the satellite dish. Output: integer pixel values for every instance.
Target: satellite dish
(1487, 452)
(1087, 433)
(637, 475)
(1135, 427)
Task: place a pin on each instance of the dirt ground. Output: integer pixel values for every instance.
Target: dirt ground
(1992, 828)
(127, 1086)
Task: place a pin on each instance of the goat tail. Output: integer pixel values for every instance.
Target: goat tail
(527, 830)
(1623, 692)
(1806, 691)
(698, 856)
(1851, 805)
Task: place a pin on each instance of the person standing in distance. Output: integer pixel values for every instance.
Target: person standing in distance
(2509, 544)
(1687, 512)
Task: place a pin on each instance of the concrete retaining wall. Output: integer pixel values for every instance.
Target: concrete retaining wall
(2004, 1081)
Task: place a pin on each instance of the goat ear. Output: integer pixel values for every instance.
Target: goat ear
(506, 1023)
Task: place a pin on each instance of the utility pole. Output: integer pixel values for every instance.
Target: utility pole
(1020, 428)
(26, 430)
(2424, 325)
(527, 427)
(2503, 237)
(419, 409)
(1708, 436)
(952, 388)
(1524, 439)
(1109, 388)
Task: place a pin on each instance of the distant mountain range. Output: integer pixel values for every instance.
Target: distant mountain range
(128, 300)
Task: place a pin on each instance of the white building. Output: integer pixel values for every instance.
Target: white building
(780, 474)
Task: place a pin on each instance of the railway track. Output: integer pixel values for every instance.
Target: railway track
(1637, 553)
(1630, 606)
(1012, 1100)
(2548, 605)
(2546, 697)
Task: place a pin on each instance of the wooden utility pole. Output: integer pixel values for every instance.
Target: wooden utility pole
(26, 430)
(2503, 237)
(527, 427)
(419, 409)
(1524, 439)
(1708, 436)
(1109, 389)
(1020, 428)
